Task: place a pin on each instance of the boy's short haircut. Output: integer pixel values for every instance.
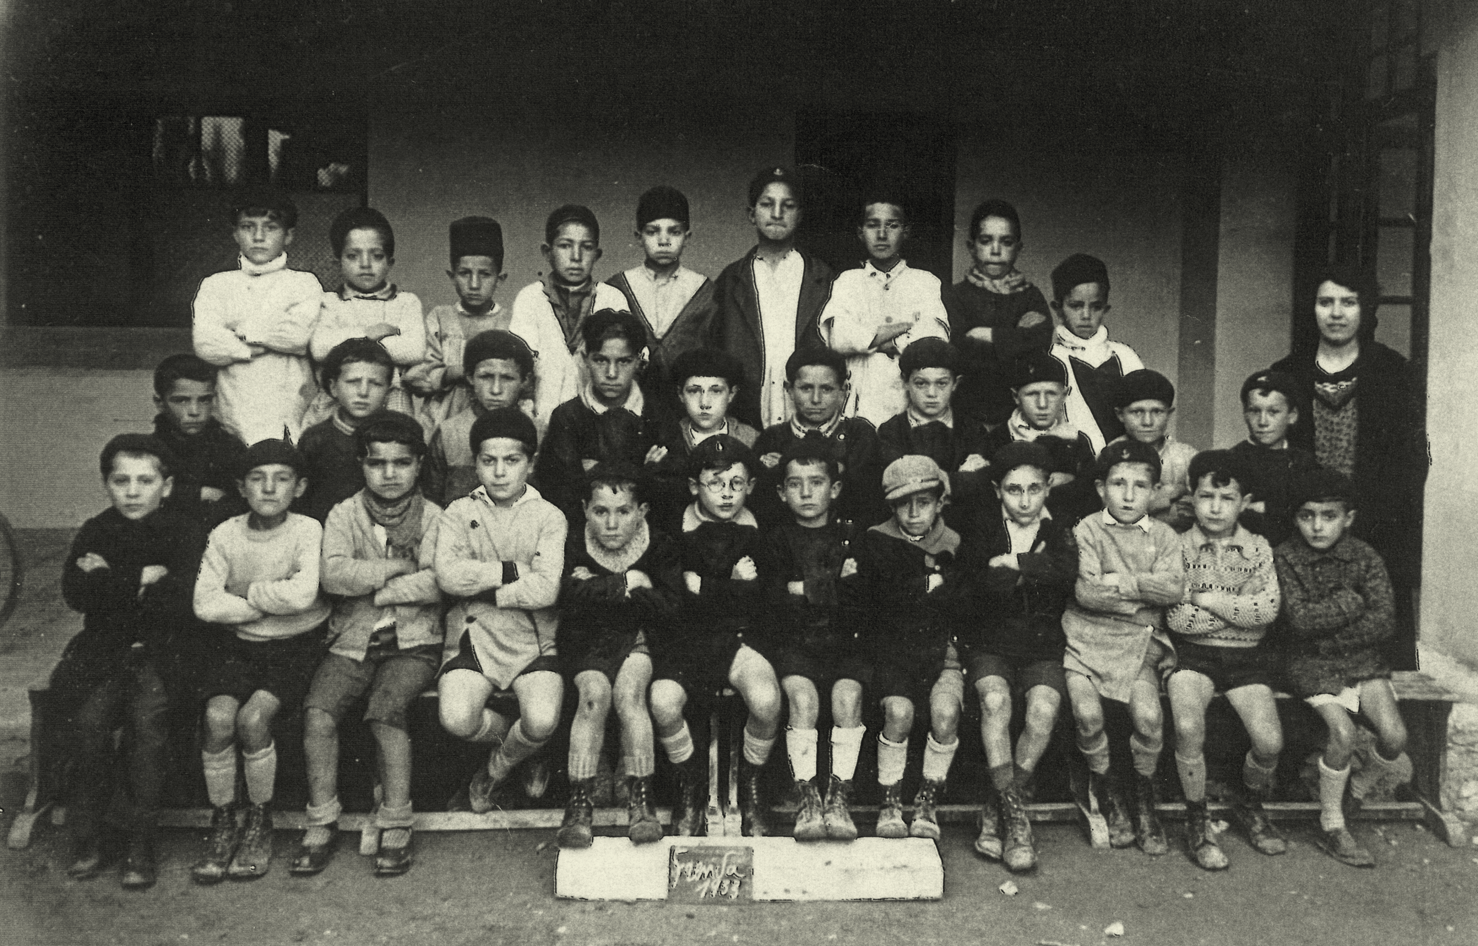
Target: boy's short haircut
(507, 423)
(994, 208)
(1036, 367)
(775, 175)
(146, 445)
(390, 427)
(719, 453)
(1130, 451)
(615, 477)
(1223, 466)
(571, 213)
(882, 195)
(266, 202)
(816, 356)
(269, 453)
(1019, 453)
(929, 353)
(607, 324)
(812, 448)
(183, 367)
(706, 363)
(1358, 278)
(496, 343)
(1076, 270)
(476, 236)
(351, 350)
(1268, 382)
(662, 202)
(1323, 485)
(913, 474)
(360, 218)
(1144, 385)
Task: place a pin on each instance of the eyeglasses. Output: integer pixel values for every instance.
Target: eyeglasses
(713, 487)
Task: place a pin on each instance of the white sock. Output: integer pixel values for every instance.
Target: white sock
(261, 773)
(892, 757)
(800, 746)
(678, 746)
(220, 775)
(938, 758)
(1332, 796)
(1192, 771)
(757, 751)
(846, 745)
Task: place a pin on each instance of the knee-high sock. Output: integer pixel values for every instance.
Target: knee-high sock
(261, 773)
(892, 757)
(800, 746)
(938, 758)
(846, 745)
(1255, 776)
(1146, 754)
(220, 775)
(757, 751)
(1096, 751)
(1192, 771)
(516, 747)
(1332, 796)
(678, 746)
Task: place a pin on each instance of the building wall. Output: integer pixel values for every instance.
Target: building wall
(1450, 553)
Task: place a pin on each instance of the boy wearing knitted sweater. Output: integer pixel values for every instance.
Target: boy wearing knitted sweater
(1231, 598)
(259, 582)
(255, 323)
(385, 637)
(500, 552)
(1129, 571)
(1338, 608)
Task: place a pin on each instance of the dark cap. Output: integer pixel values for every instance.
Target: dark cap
(706, 363)
(1223, 466)
(1037, 366)
(571, 213)
(1322, 485)
(136, 443)
(496, 343)
(662, 203)
(774, 175)
(1128, 451)
(929, 353)
(1144, 385)
(390, 427)
(719, 453)
(1019, 453)
(477, 236)
(269, 453)
(1269, 381)
(814, 446)
(506, 422)
(1076, 270)
(360, 218)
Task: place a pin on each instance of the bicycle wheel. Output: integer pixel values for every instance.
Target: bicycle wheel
(11, 573)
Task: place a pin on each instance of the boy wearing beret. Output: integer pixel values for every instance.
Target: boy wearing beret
(499, 369)
(1039, 386)
(1273, 465)
(675, 304)
(1144, 401)
(1080, 290)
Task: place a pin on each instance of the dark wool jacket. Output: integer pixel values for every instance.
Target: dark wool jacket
(208, 458)
(1273, 474)
(667, 480)
(896, 614)
(860, 456)
(1337, 611)
(691, 329)
(115, 614)
(810, 621)
(725, 608)
(1077, 499)
(949, 447)
(597, 616)
(1019, 613)
(1390, 452)
(576, 433)
(736, 323)
(985, 391)
(332, 470)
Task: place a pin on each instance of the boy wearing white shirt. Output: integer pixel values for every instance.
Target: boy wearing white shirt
(1080, 291)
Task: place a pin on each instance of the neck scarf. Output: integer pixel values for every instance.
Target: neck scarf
(400, 519)
(1009, 284)
(617, 561)
(271, 266)
(1093, 350)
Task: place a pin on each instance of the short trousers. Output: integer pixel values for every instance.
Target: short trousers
(1349, 697)
(392, 680)
(1020, 673)
(912, 675)
(605, 659)
(824, 670)
(1228, 668)
(283, 668)
(702, 681)
(466, 659)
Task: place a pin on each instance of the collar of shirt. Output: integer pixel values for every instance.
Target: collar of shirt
(1066, 339)
(635, 403)
(496, 309)
(271, 266)
(657, 280)
(947, 418)
(694, 438)
(1142, 524)
(694, 516)
(529, 495)
(1283, 445)
(1021, 430)
(885, 277)
(1300, 552)
(383, 294)
(1240, 539)
(826, 430)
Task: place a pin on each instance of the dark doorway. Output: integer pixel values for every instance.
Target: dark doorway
(844, 156)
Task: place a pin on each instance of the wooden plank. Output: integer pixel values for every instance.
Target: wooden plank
(865, 869)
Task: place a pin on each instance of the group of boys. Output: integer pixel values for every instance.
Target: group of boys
(587, 511)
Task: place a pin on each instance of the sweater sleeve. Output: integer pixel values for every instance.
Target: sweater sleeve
(1379, 620)
(297, 592)
(1256, 604)
(538, 586)
(213, 602)
(1315, 612)
(212, 339)
(409, 347)
(428, 376)
(289, 330)
(1092, 590)
(844, 319)
(418, 587)
(343, 571)
(102, 589)
(459, 572)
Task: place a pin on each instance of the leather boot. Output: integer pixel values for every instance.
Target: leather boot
(838, 813)
(576, 830)
(1021, 851)
(1147, 828)
(642, 826)
(810, 823)
(756, 818)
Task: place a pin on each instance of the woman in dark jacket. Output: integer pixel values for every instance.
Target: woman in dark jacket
(1361, 413)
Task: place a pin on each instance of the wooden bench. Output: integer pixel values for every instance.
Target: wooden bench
(441, 761)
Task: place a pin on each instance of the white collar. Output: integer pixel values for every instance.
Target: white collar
(887, 276)
(1142, 525)
(468, 315)
(529, 495)
(914, 420)
(1067, 339)
(825, 430)
(695, 438)
(635, 403)
(694, 516)
(271, 266)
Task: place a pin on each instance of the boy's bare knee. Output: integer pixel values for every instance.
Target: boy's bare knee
(898, 714)
(996, 702)
(1041, 715)
(319, 725)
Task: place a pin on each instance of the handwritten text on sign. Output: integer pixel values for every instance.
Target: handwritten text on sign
(709, 874)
